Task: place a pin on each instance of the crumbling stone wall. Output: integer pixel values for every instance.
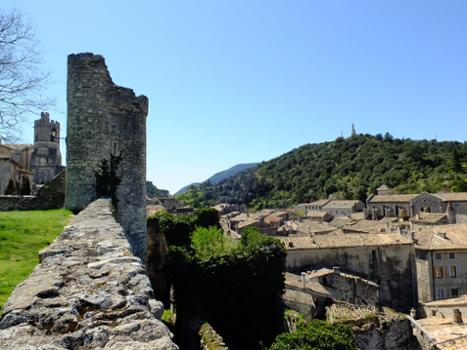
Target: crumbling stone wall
(88, 292)
(106, 120)
(385, 333)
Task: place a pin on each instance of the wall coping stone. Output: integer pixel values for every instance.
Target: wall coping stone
(88, 292)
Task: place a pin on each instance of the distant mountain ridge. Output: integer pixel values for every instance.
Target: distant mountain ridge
(220, 176)
(346, 168)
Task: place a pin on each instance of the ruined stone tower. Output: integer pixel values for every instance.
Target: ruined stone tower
(46, 159)
(106, 124)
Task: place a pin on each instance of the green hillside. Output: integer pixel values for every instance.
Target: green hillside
(345, 168)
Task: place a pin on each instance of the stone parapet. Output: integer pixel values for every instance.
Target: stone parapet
(88, 292)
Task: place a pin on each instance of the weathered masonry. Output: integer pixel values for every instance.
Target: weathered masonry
(106, 145)
(88, 292)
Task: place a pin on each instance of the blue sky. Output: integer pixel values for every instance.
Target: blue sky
(241, 81)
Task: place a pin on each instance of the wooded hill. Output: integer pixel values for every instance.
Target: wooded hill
(347, 168)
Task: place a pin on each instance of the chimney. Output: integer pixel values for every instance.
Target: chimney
(413, 313)
(304, 279)
(441, 235)
(457, 316)
(387, 226)
(336, 269)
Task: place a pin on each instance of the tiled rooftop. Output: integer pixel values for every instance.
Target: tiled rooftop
(331, 240)
(452, 196)
(344, 204)
(17, 146)
(309, 227)
(393, 198)
(441, 237)
(320, 202)
(429, 218)
(316, 214)
(445, 333)
(460, 301)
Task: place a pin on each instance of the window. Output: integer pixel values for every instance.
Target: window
(453, 272)
(53, 134)
(452, 255)
(440, 293)
(438, 271)
(438, 256)
(454, 292)
(421, 254)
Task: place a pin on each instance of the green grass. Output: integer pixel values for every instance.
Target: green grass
(22, 235)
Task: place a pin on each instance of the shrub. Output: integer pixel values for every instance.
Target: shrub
(209, 242)
(316, 335)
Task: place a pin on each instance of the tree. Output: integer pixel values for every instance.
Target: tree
(316, 335)
(22, 81)
(206, 217)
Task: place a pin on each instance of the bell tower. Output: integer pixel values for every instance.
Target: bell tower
(46, 159)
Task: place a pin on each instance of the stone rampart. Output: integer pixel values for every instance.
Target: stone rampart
(88, 292)
(106, 123)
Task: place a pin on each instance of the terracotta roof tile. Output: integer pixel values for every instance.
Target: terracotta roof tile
(452, 196)
(331, 240)
(393, 198)
(441, 237)
(17, 146)
(341, 204)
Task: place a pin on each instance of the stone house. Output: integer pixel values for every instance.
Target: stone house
(307, 227)
(253, 222)
(42, 159)
(344, 286)
(171, 205)
(343, 207)
(14, 179)
(441, 261)
(395, 205)
(386, 259)
(320, 216)
(20, 153)
(276, 218)
(444, 308)
(441, 333)
(300, 301)
(367, 226)
(267, 221)
(313, 206)
(225, 208)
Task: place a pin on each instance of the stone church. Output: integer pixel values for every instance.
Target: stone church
(387, 204)
(23, 166)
